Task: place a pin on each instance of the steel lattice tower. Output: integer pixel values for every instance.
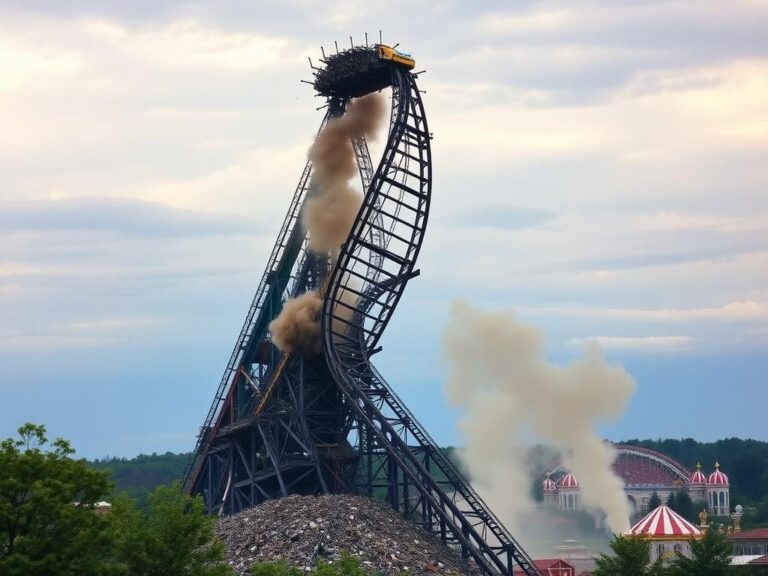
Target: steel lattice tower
(285, 424)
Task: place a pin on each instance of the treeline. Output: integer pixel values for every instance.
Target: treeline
(139, 476)
(745, 462)
(52, 522)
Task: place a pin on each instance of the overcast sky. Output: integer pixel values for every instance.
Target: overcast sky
(600, 167)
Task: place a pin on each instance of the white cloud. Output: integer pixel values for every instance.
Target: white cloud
(21, 65)
(541, 21)
(667, 220)
(643, 126)
(20, 343)
(638, 343)
(744, 311)
(192, 43)
(113, 324)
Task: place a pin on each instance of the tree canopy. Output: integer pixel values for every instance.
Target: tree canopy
(175, 536)
(48, 525)
(654, 501)
(631, 556)
(710, 556)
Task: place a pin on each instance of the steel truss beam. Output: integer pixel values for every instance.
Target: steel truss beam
(330, 423)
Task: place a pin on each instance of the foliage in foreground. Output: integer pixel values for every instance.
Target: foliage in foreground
(710, 556)
(631, 557)
(347, 565)
(44, 533)
(174, 537)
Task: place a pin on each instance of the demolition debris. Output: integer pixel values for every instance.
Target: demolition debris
(304, 529)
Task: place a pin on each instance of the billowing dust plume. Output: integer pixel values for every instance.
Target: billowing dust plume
(298, 325)
(328, 214)
(498, 373)
(331, 209)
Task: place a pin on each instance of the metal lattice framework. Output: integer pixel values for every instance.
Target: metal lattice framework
(298, 423)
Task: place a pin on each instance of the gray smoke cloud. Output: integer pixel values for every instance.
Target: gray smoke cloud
(298, 325)
(498, 373)
(331, 209)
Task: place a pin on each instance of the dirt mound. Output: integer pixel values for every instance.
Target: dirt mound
(303, 529)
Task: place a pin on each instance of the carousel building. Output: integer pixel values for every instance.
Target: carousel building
(669, 533)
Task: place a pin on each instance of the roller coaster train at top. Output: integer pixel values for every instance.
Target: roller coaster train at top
(296, 423)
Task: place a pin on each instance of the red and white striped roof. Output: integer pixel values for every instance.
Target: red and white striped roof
(663, 521)
(698, 476)
(549, 485)
(718, 477)
(568, 481)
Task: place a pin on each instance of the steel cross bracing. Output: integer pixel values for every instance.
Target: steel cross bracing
(292, 269)
(416, 479)
(278, 261)
(330, 423)
(290, 244)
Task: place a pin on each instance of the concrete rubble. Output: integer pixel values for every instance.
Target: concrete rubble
(304, 529)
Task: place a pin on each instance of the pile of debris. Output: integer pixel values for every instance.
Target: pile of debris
(304, 529)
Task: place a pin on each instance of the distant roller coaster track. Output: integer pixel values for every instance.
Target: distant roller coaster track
(239, 459)
(641, 466)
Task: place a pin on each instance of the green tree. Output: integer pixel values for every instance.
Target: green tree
(681, 503)
(280, 568)
(173, 538)
(346, 565)
(631, 557)
(48, 526)
(710, 556)
(685, 507)
(654, 501)
(139, 476)
(672, 501)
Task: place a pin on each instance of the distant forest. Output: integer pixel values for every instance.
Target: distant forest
(744, 461)
(139, 476)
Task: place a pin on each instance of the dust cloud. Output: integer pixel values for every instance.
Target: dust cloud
(332, 205)
(498, 373)
(297, 328)
(328, 214)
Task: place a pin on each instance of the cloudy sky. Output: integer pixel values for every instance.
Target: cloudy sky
(600, 167)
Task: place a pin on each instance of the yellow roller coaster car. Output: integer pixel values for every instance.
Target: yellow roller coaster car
(388, 53)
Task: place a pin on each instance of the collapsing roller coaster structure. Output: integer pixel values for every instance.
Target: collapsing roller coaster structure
(295, 423)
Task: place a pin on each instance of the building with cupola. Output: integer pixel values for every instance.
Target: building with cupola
(644, 472)
(569, 492)
(718, 493)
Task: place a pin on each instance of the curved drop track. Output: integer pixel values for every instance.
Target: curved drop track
(367, 282)
(244, 455)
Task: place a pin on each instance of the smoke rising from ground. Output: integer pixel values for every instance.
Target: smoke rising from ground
(331, 209)
(298, 325)
(498, 373)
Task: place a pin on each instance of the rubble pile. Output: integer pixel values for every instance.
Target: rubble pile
(303, 529)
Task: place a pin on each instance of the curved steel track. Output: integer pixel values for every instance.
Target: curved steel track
(364, 288)
(244, 456)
